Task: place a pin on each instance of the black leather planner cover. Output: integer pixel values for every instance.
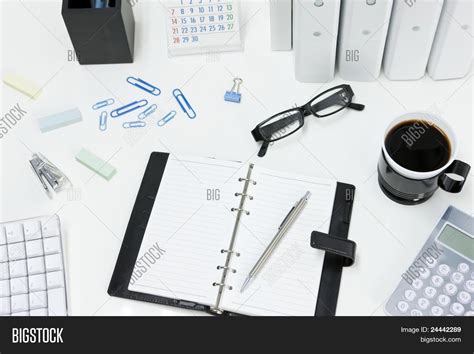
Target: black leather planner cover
(136, 230)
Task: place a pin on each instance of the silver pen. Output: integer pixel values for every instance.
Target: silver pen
(282, 229)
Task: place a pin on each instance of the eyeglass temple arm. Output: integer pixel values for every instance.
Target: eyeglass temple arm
(356, 106)
(279, 124)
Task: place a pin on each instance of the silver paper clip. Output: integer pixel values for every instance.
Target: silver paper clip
(143, 85)
(135, 124)
(103, 121)
(48, 172)
(150, 110)
(166, 118)
(103, 104)
(184, 104)
(128, 108)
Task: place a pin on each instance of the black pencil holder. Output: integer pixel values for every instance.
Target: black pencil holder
(100, 35)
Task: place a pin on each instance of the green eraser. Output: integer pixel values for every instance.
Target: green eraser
(96, 164)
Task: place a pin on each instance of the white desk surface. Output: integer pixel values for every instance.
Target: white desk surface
(94, 215)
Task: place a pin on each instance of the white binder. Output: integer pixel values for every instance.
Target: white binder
(362, 34)
(315, 29)
(410, 36)
(451, 55)
(281, 18)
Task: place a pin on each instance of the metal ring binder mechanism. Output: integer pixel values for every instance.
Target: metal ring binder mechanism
(222, 284)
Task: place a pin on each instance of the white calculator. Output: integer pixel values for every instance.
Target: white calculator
(440, 281)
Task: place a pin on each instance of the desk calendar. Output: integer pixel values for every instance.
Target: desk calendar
(200, 26)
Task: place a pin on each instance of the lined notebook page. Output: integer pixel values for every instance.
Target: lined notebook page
(288, 283)
(192, 227)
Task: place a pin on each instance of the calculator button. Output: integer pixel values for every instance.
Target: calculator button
(32, 230)
(423, 303)
(464, 297)
(444, 300)
(425, 274)
(14, 233)
(444, 270)
(3, 254)
(38, 300)
(431, 262)
(416, 312)
(410, 295)
(457, 278)
(4, 306)
(35, 265)
(430, 292)
(4, 288)
(50, 227)
(402, 306)
(57, 302)
(4, 271)
(457, 309)
(19, 286)
(463, 267)
(37, 282)
(436, 280)
(3, 237)
(450, 289)
(469, 313)
(34, 248)
(55, 280)
(417, 284)
(469, 286)
(18, 269)
(437, 311)
(20, 303)
(53, 262)
(52, 245)
(16, 251)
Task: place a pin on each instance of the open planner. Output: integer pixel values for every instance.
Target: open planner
(211, 220)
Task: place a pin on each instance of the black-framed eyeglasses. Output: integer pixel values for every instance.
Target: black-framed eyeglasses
(288, 122)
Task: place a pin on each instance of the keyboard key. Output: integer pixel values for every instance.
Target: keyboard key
(39, 312)
(38, 300)
(32, 230)
(34, 248)
(4, 288)
(52, 245)
(50, 226)
(55, 279)
(410, 295)
(37, 282)
(3, 254)
(20, 303)
(18, 269)
(22, 313)
(57, 302)
(416, 312)
(457, 309)
(444, 270)
(14, 233)
(450, 289)
(4, 306)
(417, 284)
(423, 303)
(35, 265)
(463, 267)
(3, 236)
(430, 292)
(19, 286)
(4, 271)
(436, 280)
(443, 300)
(464, 297)
(469, 286)
(16, 251)
(437, 311)
(53, 262)
(457, 278)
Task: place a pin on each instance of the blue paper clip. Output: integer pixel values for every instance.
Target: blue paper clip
(234, 95)
(143, 85)
(103, 121)
(102, 104)
(128, 108)
(184, 104)
(136, 124)
(150, 110)
(166, 118)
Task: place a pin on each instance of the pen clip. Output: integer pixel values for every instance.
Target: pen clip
(286, 217)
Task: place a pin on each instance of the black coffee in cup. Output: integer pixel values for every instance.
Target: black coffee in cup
(418, 145)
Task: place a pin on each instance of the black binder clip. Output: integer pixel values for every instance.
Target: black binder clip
(335, 245)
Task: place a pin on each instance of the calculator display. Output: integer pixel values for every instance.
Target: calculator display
(458, 241)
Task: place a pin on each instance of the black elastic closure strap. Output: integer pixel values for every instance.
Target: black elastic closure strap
(335, 245)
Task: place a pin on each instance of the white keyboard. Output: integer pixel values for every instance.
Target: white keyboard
(32, 281)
